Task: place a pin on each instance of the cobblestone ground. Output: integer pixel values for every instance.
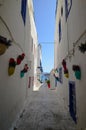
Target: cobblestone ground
(43, 111)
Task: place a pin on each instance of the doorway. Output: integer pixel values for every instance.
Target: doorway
(72, 100)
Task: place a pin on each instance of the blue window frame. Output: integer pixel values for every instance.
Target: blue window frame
(68, 5)
(60, 75)
(23, 10)
(72, 100)
(60, 30)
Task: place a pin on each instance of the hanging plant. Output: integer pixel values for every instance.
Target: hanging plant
(20, 58)
(77, 70)
(12, 65)
(25, 70)
(48, 83)
(4, 44)
(56, 77)
(66, 73)
(64, 64)
(82, 47)
(56, 74)
(22, 74)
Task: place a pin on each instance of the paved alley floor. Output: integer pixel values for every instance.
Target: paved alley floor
(43, 111)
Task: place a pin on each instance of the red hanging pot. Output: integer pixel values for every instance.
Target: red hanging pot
(48, 85)
(64, 62)
(20, 58)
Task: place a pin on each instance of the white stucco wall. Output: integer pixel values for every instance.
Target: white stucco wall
(13, 89)
(72, 29)
(35, 40)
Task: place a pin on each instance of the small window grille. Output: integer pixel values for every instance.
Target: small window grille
(59, 30)
(23, 10)
(68, 5)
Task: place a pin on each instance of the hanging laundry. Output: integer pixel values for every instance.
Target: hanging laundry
(12, 65)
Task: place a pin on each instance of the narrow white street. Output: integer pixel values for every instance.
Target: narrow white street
(43, 111)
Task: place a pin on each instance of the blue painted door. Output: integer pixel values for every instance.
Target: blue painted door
(72, 101)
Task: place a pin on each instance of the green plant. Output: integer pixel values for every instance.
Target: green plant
(48, 81)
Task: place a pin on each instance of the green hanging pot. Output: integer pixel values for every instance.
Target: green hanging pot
(21, 74)
(78, 75)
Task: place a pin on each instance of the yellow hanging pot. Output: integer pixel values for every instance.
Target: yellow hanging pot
(67, 75)
(11, 71)
(3, 48)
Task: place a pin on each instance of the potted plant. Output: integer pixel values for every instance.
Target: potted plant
(48, 83)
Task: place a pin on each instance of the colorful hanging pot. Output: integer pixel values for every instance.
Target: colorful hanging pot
(56, 74)
(20, 58)
(11, 71)
(82, 47)
(21, 74)
(3, 48)
(48, 83)
(12, 65)
(25, 70)
(4, 44)
(78, 75)
(77, 70)
(66, 73)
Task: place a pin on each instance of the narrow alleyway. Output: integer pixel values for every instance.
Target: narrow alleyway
(43, 111)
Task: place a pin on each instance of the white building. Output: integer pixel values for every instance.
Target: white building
(70, 33)
(34, 40)
(39, 62)
(16, 24)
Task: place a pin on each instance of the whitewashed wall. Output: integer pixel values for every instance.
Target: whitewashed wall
(13, 89)
(72, 29)
(35, 40)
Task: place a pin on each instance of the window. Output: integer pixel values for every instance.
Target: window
(23, 10)
(61, 11)
(59, 30)
(68, 4)
(72, 101)
(60, 75)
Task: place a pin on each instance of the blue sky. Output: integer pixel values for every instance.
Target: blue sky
(44, 11)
